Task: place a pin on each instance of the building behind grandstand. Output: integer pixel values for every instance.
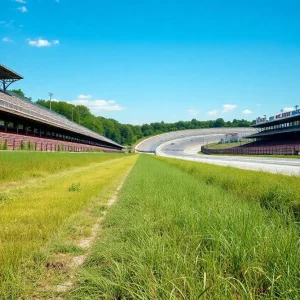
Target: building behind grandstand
(24, 124)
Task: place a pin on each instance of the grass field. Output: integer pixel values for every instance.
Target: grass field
(224, 145)
(33, 214)
(179, 230)
(24, 165)
(184, 230)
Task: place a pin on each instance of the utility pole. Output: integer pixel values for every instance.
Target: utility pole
(50, 95)
(72, 114)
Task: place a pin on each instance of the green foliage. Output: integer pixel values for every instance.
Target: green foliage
(18, 92)
(27, 146)
(3, 145)
(74, 187)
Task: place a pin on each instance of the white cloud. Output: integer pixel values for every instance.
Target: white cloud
(228, 107)
(287, 109)
(99, 106)
(21, 1)
(6, 40)
(84, 97)
(193, 112)
(247, 112)
(42, 43)
(23, 9)
(212, 112)
(8, 24)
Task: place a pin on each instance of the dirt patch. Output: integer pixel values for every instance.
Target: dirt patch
(68, 264)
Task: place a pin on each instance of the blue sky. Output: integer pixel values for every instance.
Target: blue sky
(144, 61)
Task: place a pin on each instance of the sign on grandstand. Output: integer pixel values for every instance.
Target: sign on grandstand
(288, 114)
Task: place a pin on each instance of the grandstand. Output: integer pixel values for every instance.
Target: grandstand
(22, 121)
(276, 135)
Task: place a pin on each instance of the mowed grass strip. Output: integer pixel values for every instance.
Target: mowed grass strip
(15, 166)
(172, 236)
(32, 215)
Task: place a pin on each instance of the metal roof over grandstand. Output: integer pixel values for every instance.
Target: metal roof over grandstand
(6, 73)
(8, 76)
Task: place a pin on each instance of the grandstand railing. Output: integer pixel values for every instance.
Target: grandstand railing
(276, 150)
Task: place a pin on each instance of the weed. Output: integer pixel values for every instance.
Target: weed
(74, 187)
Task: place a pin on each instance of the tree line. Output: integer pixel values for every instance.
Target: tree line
(127, 134)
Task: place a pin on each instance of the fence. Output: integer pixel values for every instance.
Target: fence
(278, 150)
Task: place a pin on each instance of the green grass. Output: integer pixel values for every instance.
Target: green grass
(23, 165)
(181, 233)
(278, 191)
(31, 215)
(224, 145)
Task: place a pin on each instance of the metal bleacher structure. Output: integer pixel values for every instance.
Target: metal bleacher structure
(276, 135)
(23, 121)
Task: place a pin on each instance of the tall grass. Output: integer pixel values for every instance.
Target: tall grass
(274, 191)
(173, 236)
(32, 214)
(20, 165)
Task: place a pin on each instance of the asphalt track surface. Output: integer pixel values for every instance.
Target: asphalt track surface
(186, 144)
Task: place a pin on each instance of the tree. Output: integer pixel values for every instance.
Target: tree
(18, 92)
(219, 123)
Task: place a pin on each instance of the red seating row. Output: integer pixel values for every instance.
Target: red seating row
(15, 142)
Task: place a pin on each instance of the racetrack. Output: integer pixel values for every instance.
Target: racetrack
(185, 145)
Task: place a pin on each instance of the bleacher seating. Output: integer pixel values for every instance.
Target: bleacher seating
(15, 141)
(289, 147)
(28, 108)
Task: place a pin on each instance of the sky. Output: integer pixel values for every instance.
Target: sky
(140, 61)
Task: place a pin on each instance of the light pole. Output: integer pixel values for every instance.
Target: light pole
(72, 114)
(50, 95)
